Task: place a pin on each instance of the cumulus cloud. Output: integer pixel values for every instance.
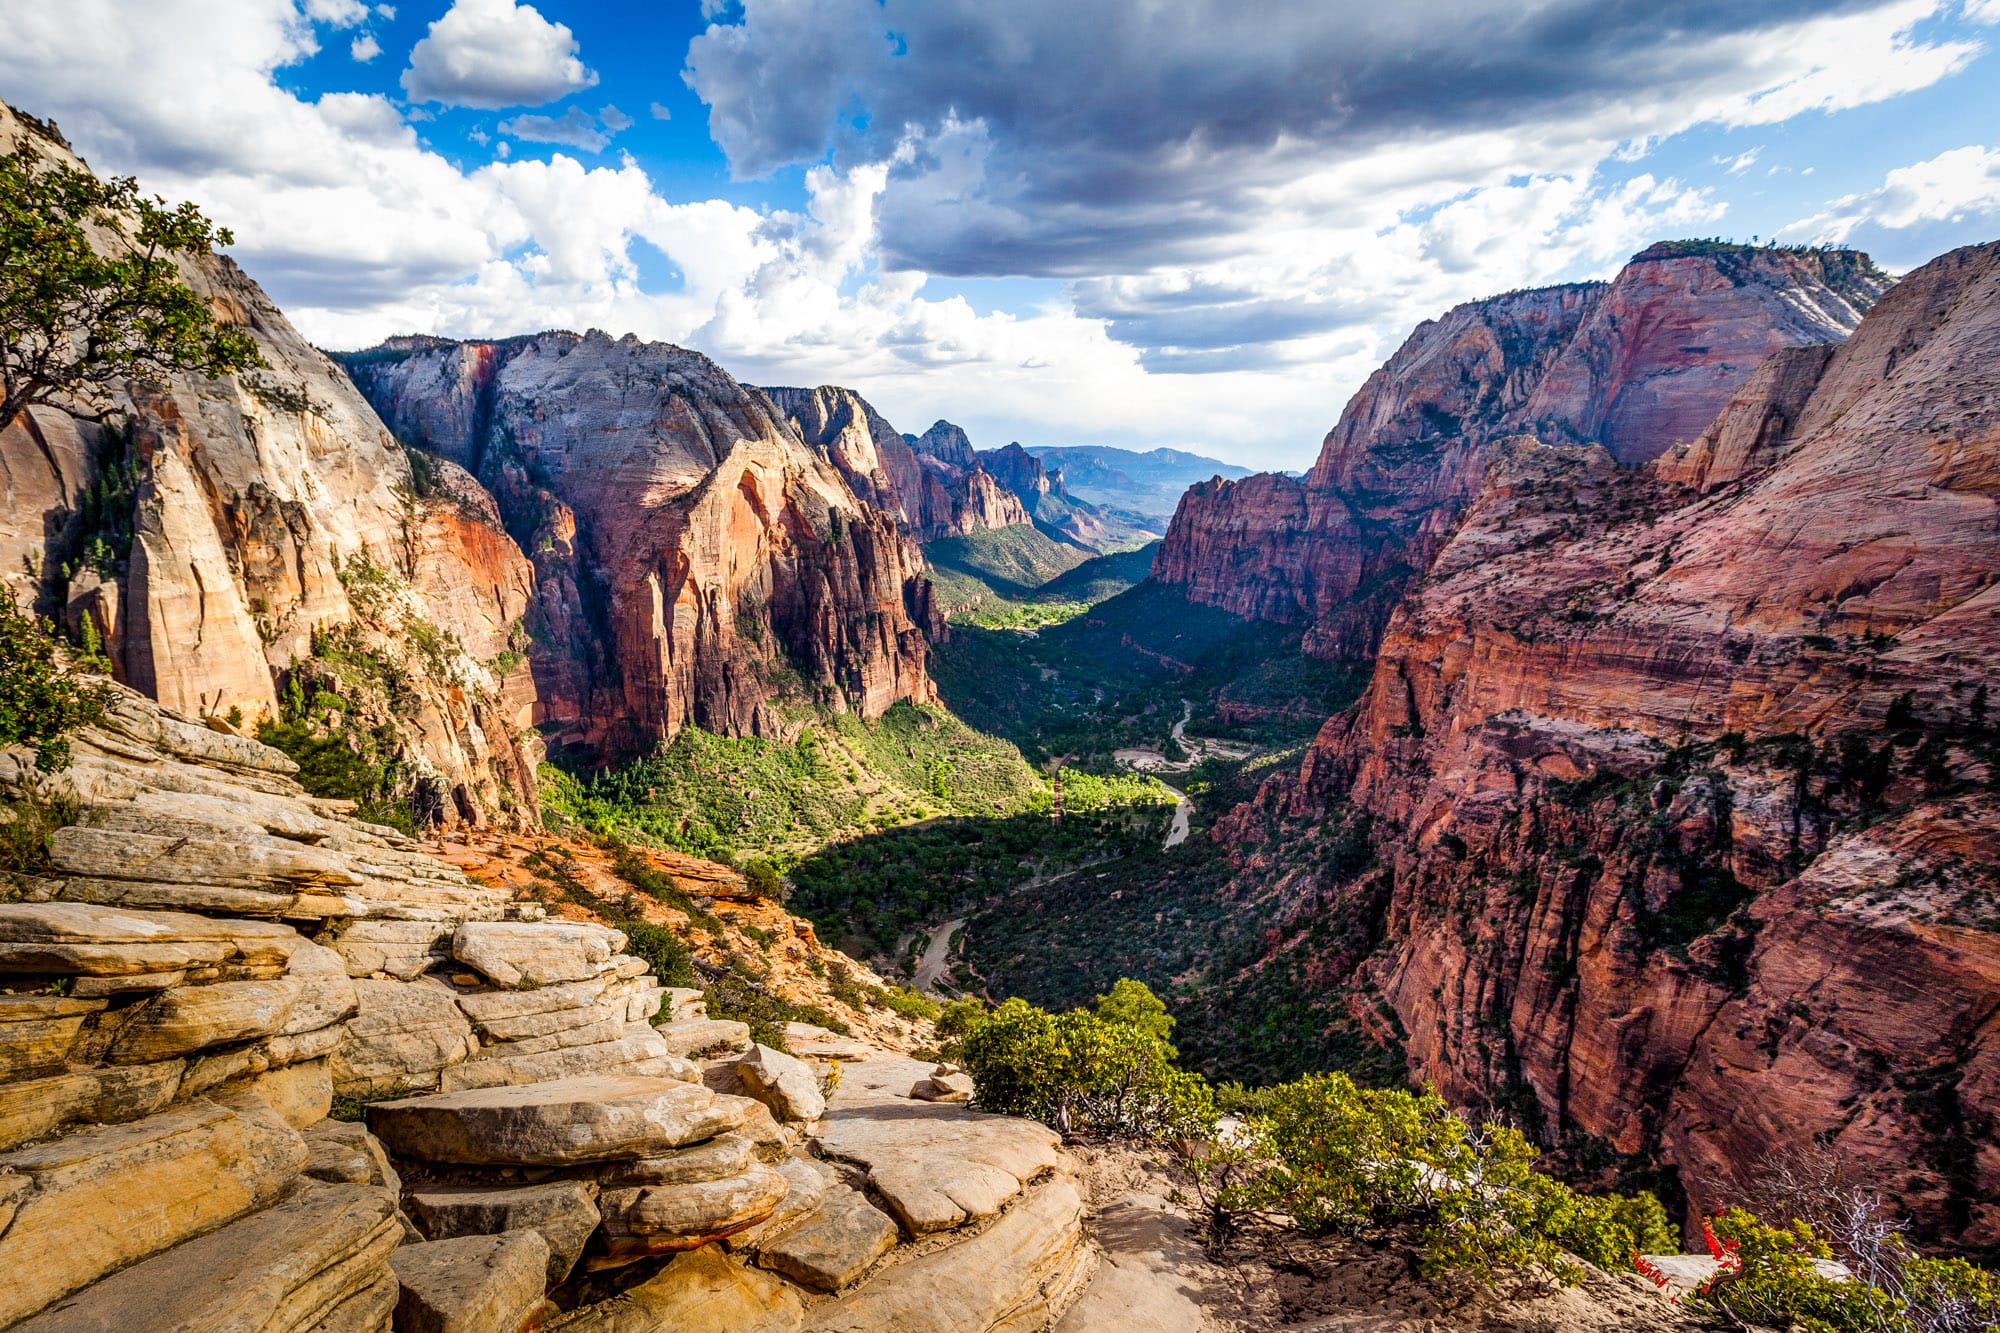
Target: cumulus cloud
(365, 48)
(492, 54)
(573, 127)
(339, 13)
(1898, 220)
(613, 119)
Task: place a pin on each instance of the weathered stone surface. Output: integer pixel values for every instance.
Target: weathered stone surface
(301, 1094)
(697, 1036)
(723, 1155)
(326, 996)
(1016, 1276)
(557, 1123)
(818, 1043)
(189, 1018)
(344, 1152)
(809, 1181)
(684, 1002)
(833, 1246)
(107, 1197)
(785, 1083)
(944, 1086)
(290, 1267)
(490, 1009)
(401, 1037)
(471, 1284)
(535, 953)
(659, 1219)
(703, 1290)
(88, 940)
(36, 1032)
(401, 949)
(41, 1106)
(626, 1056)
(562, 1212)
(937, 1170)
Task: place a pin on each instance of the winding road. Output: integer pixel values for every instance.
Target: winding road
(931, 966)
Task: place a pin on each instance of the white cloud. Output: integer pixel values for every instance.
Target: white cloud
(661, 112)
(339, 13)
(492, 54)
(1982, 11)
(1951, 187)
(573, 127)
(365, 48)
(613, 119)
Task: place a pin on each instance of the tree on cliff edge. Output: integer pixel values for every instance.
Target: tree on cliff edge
(79, 319)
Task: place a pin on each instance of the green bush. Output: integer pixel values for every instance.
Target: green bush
(1082, 1074)
(764, 880)
(665, 953)
(40, 702)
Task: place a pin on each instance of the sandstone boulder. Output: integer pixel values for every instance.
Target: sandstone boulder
(104, 1096)
(944, 1086)
(703, 1290)
(520, 954)
(562, 1212)
(1016, 1275)
(188, 1018)
(641, 1220)
(326, 996)
(723, 1155)
(344, 1152)
(832, 1247)
(401, 1037)
(82, 939)
(785, 1083)
(627, 1056)
(107, 1197)
(316, 1260)
(36, 1032)
(404, 950)
(471, 1284)
(700, 1036)
(558, 1123)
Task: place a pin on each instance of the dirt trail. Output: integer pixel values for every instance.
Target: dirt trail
(931, 966)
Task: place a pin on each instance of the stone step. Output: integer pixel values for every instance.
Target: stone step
(317, 1259)
(471, 1284)
(629, 1055)
(645, 1220)
(559, 1123)
(562, 1212)
(696, 1036)
(520, 954)
(832, 1246)
(701, 1290)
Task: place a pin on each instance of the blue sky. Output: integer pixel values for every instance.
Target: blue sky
(1196, 224)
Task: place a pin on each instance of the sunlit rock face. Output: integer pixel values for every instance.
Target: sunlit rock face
(1639, 365)
(696, 559)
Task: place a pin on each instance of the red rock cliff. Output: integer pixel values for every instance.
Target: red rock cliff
(697, 561)
(1639, 365)
(1684, 801)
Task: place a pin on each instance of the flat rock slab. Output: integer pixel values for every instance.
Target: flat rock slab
(344, 1152)
(642, 1220)
(627, 1055)
(93, 1202)
(832, 1247)
(557, 1123)
(562, 1212)
(785, 1083)
(723, 1155)
(809, 1039)
(289, 1267)
(402, 1037)
(84, 939)
(472, 1284)
(701, 1290)
(1016, 1276)
(810, 1182)
(937, 1166)
(401, 949)
(189, 1018)
(699, 1035)
(520, 954)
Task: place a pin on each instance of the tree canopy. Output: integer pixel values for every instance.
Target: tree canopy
(78, 318)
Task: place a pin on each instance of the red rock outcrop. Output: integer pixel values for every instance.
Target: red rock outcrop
(1681, 779)
(231, 523)
(697, 561)
(930, 499)
(1639, 365)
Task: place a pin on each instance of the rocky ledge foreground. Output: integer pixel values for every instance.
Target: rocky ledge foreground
(210, 962)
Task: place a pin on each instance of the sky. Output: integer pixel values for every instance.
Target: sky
(1190, 223)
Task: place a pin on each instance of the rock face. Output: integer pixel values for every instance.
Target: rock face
(1054, 510)
(1640, 365)
(694, 557)
(1679, 779)
(239, 528)
(930, 496)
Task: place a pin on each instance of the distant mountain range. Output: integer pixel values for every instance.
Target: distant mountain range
(1150, 484)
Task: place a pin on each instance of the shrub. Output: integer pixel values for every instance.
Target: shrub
(665, 953)
(1081, 1074)
(763, 880)
(40, 702)
(1133, 1004)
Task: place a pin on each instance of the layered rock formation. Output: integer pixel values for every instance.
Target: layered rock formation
(1054, 510)
(1639, 365)
(209, 958)
(218, 537)
(1679, 780)
(696, 561)
(930, 496)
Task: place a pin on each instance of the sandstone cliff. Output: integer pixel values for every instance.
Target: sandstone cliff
(1639, 365)
(696, 561)
(1054, 510)
(929, 497)
(229, 530)
(1680, 780)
